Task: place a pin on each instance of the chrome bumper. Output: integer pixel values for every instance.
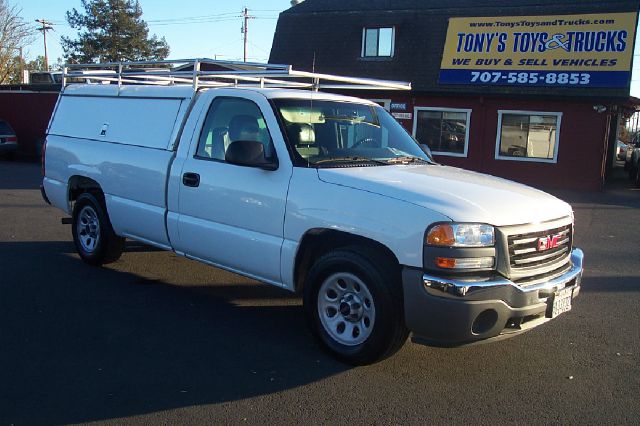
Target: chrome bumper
(449, 312)
(474, 289)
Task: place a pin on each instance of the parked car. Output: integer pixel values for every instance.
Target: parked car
(45, 77)
(621, 150)
(627, 156)
(317, 193)
(8, 140)
(632, 164)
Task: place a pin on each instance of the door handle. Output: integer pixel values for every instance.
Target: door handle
(191, 179)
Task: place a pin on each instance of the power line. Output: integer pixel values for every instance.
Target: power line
(203, 21)
(200, 17)
(258, 47)
(203, 18)
(164, 24)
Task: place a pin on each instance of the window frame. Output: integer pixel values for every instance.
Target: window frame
(553, 160)
(203, 119)
(467, 111)
(364, 42)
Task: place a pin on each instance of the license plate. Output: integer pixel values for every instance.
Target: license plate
(560, 302)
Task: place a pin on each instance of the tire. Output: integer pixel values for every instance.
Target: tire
(636, 180)
(95, 241)
(354, 305)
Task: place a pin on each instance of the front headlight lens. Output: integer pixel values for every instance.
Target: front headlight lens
(461, 235)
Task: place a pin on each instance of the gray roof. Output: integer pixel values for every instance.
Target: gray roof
(413, 5)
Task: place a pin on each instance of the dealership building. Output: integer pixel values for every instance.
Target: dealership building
(533, 90)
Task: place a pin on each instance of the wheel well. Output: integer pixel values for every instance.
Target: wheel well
(316, 242)
(79, 184)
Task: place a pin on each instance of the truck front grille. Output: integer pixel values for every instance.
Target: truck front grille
(527, 251)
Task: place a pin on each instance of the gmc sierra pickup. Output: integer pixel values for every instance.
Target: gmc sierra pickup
(316, 193)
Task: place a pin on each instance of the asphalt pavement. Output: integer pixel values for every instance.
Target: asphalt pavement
(158, 339)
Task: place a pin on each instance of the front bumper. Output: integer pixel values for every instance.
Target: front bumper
(451, 312)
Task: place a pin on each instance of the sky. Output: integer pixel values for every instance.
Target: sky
(196, 28)
(192, 28)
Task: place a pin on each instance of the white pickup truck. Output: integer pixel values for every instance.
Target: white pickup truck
(316, 193)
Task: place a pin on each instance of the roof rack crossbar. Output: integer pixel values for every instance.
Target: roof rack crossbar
(205, 72)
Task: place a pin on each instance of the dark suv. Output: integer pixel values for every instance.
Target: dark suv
(8, 140)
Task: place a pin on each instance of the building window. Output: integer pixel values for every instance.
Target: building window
(444, 130)
(528, 136)
(378, 42)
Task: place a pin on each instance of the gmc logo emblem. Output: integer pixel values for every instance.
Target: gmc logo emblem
(548, 242)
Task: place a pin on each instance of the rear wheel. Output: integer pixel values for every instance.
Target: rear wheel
(93, 235)
(353, 302)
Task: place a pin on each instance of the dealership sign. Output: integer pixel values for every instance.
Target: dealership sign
(568, 50)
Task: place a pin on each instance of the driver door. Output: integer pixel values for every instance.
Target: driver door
(233, 216)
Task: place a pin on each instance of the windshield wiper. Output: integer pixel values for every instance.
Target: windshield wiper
(351, 119)
(353, 159)
(407, 159)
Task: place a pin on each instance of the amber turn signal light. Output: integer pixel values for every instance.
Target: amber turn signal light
(441, 235)
(465, 263)
(445, 262)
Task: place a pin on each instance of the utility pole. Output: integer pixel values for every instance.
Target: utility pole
(22, 79)
(245, 29)
(46, 26)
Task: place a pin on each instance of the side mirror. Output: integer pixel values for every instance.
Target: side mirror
(249, 154)
(425, 148)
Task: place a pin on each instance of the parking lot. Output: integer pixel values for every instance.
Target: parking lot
(155, 338)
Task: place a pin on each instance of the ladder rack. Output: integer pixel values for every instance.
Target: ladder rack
(206, 73)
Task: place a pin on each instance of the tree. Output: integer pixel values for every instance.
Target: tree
(15, 33)
(111, 31)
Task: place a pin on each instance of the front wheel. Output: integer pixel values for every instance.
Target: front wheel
(353, 302)
(93, 235)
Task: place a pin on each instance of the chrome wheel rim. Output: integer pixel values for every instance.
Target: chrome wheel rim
(346, 309)
(88, 229)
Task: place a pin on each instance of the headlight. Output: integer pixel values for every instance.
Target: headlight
(461, 235)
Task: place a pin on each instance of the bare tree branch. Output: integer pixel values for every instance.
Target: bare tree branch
(14, 34)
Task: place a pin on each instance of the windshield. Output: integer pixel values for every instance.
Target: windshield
(326, 133)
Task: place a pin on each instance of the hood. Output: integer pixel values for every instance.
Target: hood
(459, 194)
